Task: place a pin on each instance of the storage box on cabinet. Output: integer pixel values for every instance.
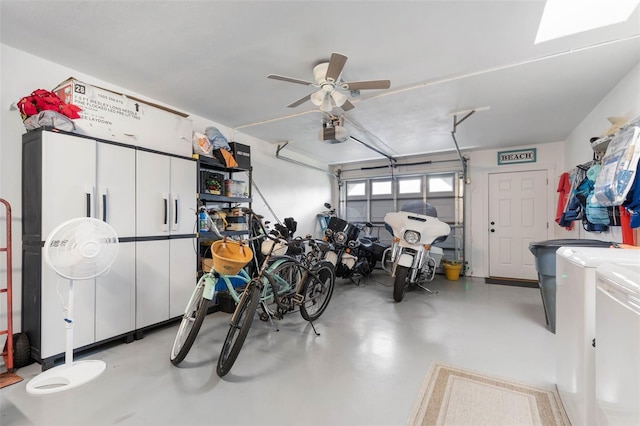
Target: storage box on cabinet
(242, 154)
(113, 116)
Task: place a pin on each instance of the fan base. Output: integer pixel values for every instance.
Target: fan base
(64, 377)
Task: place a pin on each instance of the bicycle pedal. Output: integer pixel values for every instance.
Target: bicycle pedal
(298, 299)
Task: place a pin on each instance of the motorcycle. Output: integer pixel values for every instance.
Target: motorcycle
(342, 237)
(350, 253)
(370, 247)
(413, 258)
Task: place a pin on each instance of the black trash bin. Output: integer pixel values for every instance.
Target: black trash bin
(545, 254)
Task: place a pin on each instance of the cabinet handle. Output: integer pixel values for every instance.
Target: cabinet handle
(88, 200)
(176, 207)
(104, 207)
(166, 208)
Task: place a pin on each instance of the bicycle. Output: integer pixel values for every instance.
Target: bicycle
(291, 283)
(315, 300)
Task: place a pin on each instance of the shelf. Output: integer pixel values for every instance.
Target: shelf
(601, 144)
(211, 236)
(223, 199)
(212, 163)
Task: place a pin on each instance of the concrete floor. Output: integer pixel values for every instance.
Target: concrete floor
(365, 368)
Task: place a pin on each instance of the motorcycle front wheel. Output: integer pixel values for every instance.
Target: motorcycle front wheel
(400, 283)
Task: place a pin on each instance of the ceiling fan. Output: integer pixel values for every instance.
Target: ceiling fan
(330, 86)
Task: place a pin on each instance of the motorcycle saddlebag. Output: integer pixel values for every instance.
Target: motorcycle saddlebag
(378, 250)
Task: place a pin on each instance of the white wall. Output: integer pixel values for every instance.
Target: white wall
(481, 164)
(622, 101)
(290, 190)
(556, 158)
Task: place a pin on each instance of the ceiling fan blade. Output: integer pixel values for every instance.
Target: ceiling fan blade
(347, 106)
(290, 80)
(299, 101)
(365, 85)
(336, 64)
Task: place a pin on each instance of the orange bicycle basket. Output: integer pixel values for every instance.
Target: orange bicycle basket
(230, 256)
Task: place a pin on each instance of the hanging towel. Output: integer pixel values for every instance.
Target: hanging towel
(564, 189)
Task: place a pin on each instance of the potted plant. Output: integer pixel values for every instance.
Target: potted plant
(214, 187)
(452, 269)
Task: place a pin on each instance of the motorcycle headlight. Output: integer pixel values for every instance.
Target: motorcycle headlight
(412, 237)
(341, 237)
(328, 233)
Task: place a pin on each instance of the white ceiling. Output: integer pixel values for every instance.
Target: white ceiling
(212, 58)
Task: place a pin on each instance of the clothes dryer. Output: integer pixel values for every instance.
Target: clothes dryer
(617, 350)
(575, 325)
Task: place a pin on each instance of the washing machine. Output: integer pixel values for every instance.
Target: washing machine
(617, 350)
(576, 323)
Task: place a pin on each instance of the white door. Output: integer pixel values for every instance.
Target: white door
(152, 188)
(517, 217)
(116, 191)
(182, 274)
(183, 196)
(116, 294)
(152, 282)
(68, 179)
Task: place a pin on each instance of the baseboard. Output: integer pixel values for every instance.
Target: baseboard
(511, 281)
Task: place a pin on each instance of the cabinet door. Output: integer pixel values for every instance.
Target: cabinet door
(116, 295)
(153, 189)
(68, 179)
(183, 196)
(55, 301)
(183, 276)
(116, 192)
(152, 282)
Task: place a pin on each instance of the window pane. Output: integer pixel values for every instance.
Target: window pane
(409, 186)
(356, 211)
(381, 187)
(355, 189)
(441, 184)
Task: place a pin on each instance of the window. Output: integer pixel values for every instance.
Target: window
(355, 189)
(410, 186)
(381, 187)
(440, 183)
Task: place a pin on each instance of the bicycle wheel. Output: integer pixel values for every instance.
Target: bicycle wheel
(190, 324)
(239, 327)
(317, 291)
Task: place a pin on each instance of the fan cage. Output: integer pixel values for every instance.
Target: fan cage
(81, 248)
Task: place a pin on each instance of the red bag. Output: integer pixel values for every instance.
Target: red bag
(43, 100)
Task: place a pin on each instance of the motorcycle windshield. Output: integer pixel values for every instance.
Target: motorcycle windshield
(419, 207)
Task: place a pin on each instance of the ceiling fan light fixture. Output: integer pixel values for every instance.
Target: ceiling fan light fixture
(318, 97)
(326, 105)
(322, 100)
(338, 98)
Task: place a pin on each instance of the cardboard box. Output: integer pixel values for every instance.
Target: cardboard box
(207, 264)
(242, 154)
(117, 117)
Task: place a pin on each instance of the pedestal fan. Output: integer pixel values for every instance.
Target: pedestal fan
(78, 249)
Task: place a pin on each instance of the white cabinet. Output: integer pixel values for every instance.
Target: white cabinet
(66, 177)
(165, 251)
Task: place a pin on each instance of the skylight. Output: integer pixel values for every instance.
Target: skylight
(564, 17)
